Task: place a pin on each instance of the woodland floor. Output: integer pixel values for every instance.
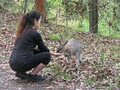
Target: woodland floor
(100, 71)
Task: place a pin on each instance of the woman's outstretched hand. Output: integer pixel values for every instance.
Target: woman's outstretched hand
(55, 54)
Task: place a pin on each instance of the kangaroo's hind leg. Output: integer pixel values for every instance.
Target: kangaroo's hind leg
(77, 60)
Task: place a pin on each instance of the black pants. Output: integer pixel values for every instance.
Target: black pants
(35, 60)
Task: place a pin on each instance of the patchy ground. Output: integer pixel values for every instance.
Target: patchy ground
(100, 71)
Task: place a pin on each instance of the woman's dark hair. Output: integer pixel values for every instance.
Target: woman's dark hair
(26, 22)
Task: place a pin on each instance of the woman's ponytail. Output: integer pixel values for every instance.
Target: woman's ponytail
(26, 22)
(21, 26)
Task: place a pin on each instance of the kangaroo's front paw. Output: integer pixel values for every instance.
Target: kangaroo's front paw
(77, 66)
(72, 69)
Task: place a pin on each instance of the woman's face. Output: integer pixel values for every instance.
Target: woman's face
(37, 23)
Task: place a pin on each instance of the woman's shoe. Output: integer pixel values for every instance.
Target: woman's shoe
(21, 75)
(29, 77)
(35, 78)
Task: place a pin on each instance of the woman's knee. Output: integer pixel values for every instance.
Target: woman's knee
(47, 58)
(36, 51)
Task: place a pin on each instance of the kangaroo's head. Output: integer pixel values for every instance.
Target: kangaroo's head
(61, 46)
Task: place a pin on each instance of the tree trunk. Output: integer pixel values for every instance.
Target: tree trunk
(93, 16)
(80, 2)
(117, 18)
(2, 8)
(40, 6)
(25, 6)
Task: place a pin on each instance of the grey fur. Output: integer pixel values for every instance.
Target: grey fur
(71, 47)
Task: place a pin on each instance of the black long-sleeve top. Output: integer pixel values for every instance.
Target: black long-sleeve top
(25, 45)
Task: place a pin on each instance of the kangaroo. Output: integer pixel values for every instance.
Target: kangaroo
(71, 47)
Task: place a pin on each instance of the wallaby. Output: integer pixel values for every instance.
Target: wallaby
(71, 47)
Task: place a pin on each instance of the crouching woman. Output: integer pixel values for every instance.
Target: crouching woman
(24, 56)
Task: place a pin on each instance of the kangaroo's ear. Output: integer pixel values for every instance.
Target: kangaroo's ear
(59, 41)
(65, 43)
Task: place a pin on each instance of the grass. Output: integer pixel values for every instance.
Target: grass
(54, 36)
(106, 30)
(56, 70)
(89, 81)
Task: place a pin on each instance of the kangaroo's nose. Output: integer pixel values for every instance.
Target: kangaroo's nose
(57, 51)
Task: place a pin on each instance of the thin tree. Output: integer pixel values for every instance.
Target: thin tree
(2, 8)
(25, 6)
(93, 16)
(40, 6)
(117, 13)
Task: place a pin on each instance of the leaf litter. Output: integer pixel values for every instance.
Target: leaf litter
(101, 68)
